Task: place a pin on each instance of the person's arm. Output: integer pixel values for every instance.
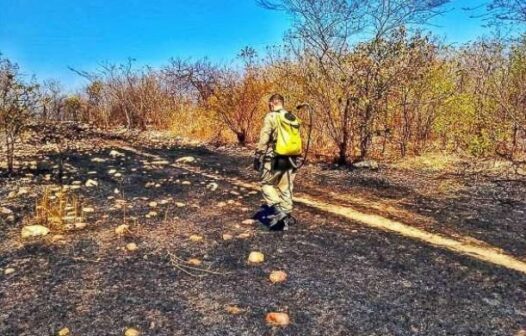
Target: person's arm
(265, 136)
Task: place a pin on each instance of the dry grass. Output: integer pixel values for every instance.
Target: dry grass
(57, 209)
(430, 162)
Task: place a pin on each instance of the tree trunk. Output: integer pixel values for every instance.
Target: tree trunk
(241, 138)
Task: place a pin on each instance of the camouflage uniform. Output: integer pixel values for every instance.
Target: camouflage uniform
(277, 186)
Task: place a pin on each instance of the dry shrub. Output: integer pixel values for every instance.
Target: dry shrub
(56, 209)
(199, 124)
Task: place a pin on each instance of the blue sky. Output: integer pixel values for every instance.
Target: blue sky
(47, 36)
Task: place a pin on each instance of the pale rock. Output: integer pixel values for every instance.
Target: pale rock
(160, 163)
(186, 183)
(152, 204)
(122, 229)
(227, 236)
(186, 160)
(212, 186)
(98, 160)
(367, 164)
(115, 154)
(64, 332)
(194, 262)
(91, 183)
(80, 226)
(248, 222)
(180, 204)
(8, 271)
(278, 277)
(131, 247)
(132, 332)
(256, 257)
(22, 191)
(277, 319)
(88, 210)
(233, 310)
(196, 238)
(151, 214)
(6, 211)
(31, 231)
(245, 235)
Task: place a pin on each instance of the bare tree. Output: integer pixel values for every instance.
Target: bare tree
(345, 89)
(508, 10)
(17, 104)
(51, 100)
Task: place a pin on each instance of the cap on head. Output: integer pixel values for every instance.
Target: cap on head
(276, 102)
(277, 99)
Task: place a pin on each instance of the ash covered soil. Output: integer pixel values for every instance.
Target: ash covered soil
(343, 278)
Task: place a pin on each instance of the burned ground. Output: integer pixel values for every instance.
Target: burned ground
(344, 278)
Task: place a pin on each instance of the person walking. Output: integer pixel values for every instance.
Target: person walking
(276, 157)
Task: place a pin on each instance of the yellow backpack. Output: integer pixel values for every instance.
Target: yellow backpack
(288, 142)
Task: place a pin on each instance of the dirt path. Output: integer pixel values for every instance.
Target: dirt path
(462, 245)
(345, 278)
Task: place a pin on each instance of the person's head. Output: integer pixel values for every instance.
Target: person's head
(276, 102)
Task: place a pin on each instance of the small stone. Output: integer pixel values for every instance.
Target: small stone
(233, 310)
(194, 262)
(152, 204)
(278, 277)
(115, 154)
(186, 160)
(64, 332)
(248, 222)
(22, 191)
(8, 271)
(180, 205)
(34, 231)
(244, 235)
(278, 319)
(256, 257)
(112, 171)
(227, 236)
(151, 214)
(132, 247)
(196, 238)
(122, 229)
(186, 183)
(91, 183)
(132, 332)
(80, 226)
(117, 175)
(88, 210)
(6, 211)
(212, 186)
(221, 205)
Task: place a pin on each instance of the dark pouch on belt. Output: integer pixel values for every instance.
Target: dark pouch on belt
(283, 163)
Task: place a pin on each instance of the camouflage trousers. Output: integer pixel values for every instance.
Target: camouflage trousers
(277, 187)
